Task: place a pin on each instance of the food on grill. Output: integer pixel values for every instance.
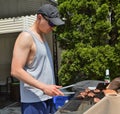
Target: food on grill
(96, 100)
(109, 91)
(94, 95)
(96, 91)
(82, 94)
(87, 90)
(91, 94)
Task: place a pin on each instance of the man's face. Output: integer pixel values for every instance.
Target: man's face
(49, 22)
(45, 25)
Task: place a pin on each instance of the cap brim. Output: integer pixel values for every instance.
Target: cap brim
(57, 21)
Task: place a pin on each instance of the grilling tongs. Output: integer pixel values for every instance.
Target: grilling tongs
(66, 87)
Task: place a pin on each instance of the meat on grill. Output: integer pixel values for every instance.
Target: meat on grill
(96, 91)
(96, 99)
(95, 94)
(91, 94)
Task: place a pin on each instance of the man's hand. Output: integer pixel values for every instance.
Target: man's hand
(53, 90)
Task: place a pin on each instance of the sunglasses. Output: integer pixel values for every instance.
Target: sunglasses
(49, 22)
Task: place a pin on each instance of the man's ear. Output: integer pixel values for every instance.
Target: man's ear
(39, 16)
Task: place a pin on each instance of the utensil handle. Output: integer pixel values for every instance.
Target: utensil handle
(65, 87)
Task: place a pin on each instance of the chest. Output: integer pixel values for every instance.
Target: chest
(38, 50)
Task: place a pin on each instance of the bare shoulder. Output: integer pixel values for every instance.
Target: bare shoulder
(24, 38)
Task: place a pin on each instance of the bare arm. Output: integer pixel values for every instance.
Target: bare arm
(20, 55)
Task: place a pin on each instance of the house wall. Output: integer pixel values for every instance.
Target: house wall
(6, 47)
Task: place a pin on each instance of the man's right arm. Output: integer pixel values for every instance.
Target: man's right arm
(20, 54)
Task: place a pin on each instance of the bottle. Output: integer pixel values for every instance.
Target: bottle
(107, 76)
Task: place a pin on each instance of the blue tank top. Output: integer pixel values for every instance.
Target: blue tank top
(41, 69)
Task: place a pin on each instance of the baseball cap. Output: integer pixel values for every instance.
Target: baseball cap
(52, 13)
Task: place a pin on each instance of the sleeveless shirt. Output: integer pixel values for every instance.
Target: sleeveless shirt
(41, 69)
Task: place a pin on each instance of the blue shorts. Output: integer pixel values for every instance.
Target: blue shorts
(44, 107)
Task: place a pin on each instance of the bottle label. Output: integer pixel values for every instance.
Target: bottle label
(107, 81)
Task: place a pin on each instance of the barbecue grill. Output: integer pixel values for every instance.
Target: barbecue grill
(79, 105)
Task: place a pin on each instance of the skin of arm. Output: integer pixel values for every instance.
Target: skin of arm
(22, 49)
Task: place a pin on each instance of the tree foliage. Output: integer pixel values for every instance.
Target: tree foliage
(90, 39)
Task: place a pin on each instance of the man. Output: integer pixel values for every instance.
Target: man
(32, 63)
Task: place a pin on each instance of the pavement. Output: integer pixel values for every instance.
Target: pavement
(8, 105)
(13, 108)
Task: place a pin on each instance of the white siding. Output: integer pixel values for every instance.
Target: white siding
(16, 24)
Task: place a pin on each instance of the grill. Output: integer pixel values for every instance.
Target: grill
(78, 105)
(74, 105)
